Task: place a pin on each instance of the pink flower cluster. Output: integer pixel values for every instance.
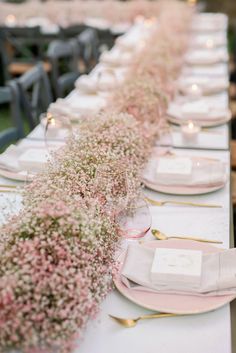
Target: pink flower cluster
(57, 255)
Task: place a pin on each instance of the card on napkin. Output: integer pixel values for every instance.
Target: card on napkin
(178, 165)
(218, 273)
(176, 265)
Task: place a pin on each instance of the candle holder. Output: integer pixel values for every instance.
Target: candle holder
(210, 43)
(190, 132)
(194, 90)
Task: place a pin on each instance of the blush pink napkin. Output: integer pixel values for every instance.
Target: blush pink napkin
(205, 172)
(218, 274)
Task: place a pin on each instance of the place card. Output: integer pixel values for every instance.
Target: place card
(175, 166)
(179, 265)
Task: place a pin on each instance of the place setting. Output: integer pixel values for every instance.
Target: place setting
(180, 277)
(184, 175)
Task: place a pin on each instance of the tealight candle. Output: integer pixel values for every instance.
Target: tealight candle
(195, 90)
(190, 132)
(51, 124)
(10, 20)
(210, 43)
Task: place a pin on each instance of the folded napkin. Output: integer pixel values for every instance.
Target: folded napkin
(16, 158)
(204, 84)
(205, 22)
(87, 83)
(77, 105)
(206, 57)
(208, 41)
(218, 274)
(197, 110)
(216, 70)
(116, 57)
(97, 22)
(105, 79)
(200, 172)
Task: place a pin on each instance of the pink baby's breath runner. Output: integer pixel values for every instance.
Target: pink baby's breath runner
(57, 255)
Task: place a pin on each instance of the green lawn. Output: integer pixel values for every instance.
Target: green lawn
(5, 121)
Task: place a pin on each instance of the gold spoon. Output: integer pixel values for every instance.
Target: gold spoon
(133, 322)
(184, 203)
(161, 236)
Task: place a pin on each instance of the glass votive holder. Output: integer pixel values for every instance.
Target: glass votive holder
(190, 132)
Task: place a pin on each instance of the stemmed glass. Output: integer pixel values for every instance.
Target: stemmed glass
(134, 220)
(112, 187)
(118, 193)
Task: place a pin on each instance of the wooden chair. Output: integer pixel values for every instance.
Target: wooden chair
(72, 31)
(64, 57)
(106, 39)
(35, 94)
(89, 45)
(20, 49)
(10, 95)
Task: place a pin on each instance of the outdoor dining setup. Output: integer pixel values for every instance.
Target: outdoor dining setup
(115, 178)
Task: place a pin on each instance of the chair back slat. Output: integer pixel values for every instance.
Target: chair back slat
(10, 95)
(64, 57)
(89, 44)
(35, 94)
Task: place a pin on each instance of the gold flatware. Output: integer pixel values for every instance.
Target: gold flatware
(183, 203)
(9, 186)
(133, 322)
(10, 191)
(161, 236)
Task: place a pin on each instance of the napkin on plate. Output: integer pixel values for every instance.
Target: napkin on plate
(105, 79)
(216, 70)
(206, 40)
(116, 57)
(196, 110)
(206, 57)
(205, 85)
(87, 83)
(203, 172)
(77, 105)
(218, 274)
(15, 159)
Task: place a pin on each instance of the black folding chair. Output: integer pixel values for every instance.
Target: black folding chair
(20, 49)
(35, 94)
(64, 59)
(9, 95)
(72, 30)
(89, 44)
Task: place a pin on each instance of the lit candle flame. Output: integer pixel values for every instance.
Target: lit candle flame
(10, 19)
(190, 125)
(195, 87)
(209, 43)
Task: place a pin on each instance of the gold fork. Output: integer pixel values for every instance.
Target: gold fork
(183, 203)
(133, 322)
(10, 188)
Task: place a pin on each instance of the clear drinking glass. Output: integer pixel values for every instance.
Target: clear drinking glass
(55, 128)
(134, 221)
(112, 187)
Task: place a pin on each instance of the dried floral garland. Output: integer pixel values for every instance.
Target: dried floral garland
(57, 255)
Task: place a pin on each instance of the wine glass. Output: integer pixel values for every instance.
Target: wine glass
(112, 187)
(134, 221)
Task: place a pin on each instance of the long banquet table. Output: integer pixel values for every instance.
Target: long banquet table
(209, 332)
